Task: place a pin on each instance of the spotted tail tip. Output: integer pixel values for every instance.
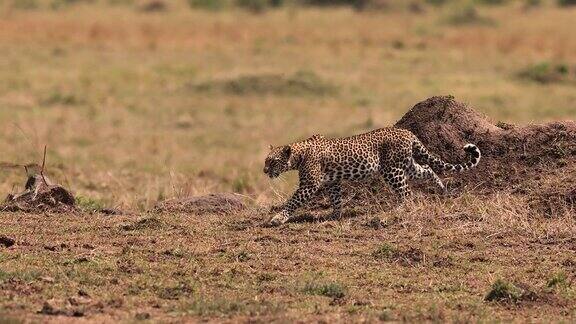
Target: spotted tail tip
(474, 153)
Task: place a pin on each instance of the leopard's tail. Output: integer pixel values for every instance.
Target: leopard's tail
(421, 153)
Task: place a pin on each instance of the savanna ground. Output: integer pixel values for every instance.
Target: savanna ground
(136, 107)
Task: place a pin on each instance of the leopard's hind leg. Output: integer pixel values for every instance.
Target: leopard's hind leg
(397, 179)
(417, 171)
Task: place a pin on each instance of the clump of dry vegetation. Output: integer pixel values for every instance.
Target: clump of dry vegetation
(503, 291)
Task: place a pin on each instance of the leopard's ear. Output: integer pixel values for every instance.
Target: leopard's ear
(287, 150)
(271, 147)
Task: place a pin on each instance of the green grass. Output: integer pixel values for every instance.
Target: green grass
(89, 204)
(384, 251)
(548, 72)
(503, 291)
(326, 289)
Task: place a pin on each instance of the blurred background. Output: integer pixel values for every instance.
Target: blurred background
(141, 100)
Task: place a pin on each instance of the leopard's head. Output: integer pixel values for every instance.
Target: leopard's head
(277, 161)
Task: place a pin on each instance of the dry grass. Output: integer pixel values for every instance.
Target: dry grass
(109, 91)
(445, 256)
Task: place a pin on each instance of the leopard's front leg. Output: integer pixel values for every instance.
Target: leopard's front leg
(301, 196)
(310, 182)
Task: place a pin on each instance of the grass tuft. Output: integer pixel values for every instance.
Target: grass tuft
(558, 280)
(503, 291)
(467, 14)
(384, 251)
(327, 289)
(60, 98)
(89, 204)
(210, 5)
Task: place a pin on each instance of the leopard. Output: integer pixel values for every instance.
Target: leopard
(324, 163)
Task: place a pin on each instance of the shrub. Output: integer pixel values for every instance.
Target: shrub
(467, 14)
(89, 204)
(60, 98)
(566, 3)
(358, 4)
(547, 72)
(213, 5)
(298, 84)
(327, 289)
(491, 2)
(25, 4)
(255, 6)
(59, 4)
(532, 3)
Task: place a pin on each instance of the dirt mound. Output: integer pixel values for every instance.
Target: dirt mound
(535, 161)
(40, 195)
(215, 203)
(538, 160)
(510, 154)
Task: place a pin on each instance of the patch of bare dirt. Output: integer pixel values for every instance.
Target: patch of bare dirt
(214, 203)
